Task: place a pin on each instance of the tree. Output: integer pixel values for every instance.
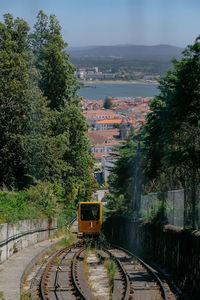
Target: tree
(58, 83)
(173, 154)
(107, 103)
(125, 180)
(168, 151)
(23, 109)
(175, 115)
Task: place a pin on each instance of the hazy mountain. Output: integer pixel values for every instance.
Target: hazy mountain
(126, 51)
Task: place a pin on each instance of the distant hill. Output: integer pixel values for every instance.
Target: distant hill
(127, 52)
(133, 61)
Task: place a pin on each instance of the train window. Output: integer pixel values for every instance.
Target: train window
(90, 212)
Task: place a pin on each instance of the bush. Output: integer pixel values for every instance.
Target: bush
(43, 200)
(66, 214)
(13, 208)
(46, 197)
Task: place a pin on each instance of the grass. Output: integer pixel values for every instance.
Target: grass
(56, 260)
(67, 240)
(2, 296)
(25, 296)
(109, 265)
(13, 207)
(42, 200)
(86, 267)
(111, 270)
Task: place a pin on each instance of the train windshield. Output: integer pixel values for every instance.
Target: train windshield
(90, 212)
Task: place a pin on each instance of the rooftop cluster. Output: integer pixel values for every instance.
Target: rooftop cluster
(109, 126)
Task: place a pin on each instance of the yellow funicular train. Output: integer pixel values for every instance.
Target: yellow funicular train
(89, 218)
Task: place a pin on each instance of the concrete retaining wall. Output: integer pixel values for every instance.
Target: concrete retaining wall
(175, 249)
(15, 237)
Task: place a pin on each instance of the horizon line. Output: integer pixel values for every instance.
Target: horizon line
(122, 45)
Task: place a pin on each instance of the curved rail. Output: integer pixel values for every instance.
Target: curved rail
(76, 279)
(163, 292)
(62, 254)
(74, 275)
(127, 290)
(43, 283)
(56, 285)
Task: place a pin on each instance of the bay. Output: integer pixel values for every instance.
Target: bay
(97, 91)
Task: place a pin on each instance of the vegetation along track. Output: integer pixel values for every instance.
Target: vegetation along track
(64, 278)
(86, 272)
(58, 281)
(145, 282)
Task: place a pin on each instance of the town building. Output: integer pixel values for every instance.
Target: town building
(93, 74)
(103, 142)
(107, 124)
(108, 127)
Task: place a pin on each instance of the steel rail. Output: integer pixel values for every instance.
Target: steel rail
(57, 271)
(127, 291)
(40, 268)
(159, 281)
(75, 281)
(42, 282)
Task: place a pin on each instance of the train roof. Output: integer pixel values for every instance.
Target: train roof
(90, 202)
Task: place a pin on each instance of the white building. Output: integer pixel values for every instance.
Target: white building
(107, 124)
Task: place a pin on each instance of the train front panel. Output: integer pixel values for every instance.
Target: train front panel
(90, 217)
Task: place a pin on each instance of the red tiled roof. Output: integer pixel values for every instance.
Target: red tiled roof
(99, 112)
(117, 121)
(100, 138)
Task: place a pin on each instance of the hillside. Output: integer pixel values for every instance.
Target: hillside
(126, 51)
(126, 61)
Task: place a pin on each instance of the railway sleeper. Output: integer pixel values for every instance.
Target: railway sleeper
(102, 255)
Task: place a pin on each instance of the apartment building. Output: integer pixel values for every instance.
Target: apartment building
(107, 124)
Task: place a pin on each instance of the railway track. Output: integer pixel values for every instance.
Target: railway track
(58, 280)
(78, 273)
(145, 283)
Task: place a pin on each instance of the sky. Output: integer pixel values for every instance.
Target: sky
(115, 22)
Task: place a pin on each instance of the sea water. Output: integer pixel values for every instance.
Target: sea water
(97, 91)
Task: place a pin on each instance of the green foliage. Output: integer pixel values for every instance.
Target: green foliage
(42, 200)
(116, 125)
(2, 295)
(43, 135)
(25, 295)
(105, 211)
(172, 131)
(156, 214)
(107, 103)
(66, 214)
(13, 207)
(68, 240)
(23, 111)
(116, 205)
(46, 196)
(168, 153)
(68, 126)
(111, 270)
(125, 178)
(134, 68)
(58, 81)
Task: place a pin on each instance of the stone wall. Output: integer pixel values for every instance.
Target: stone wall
(175, 249)
(15, 237)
